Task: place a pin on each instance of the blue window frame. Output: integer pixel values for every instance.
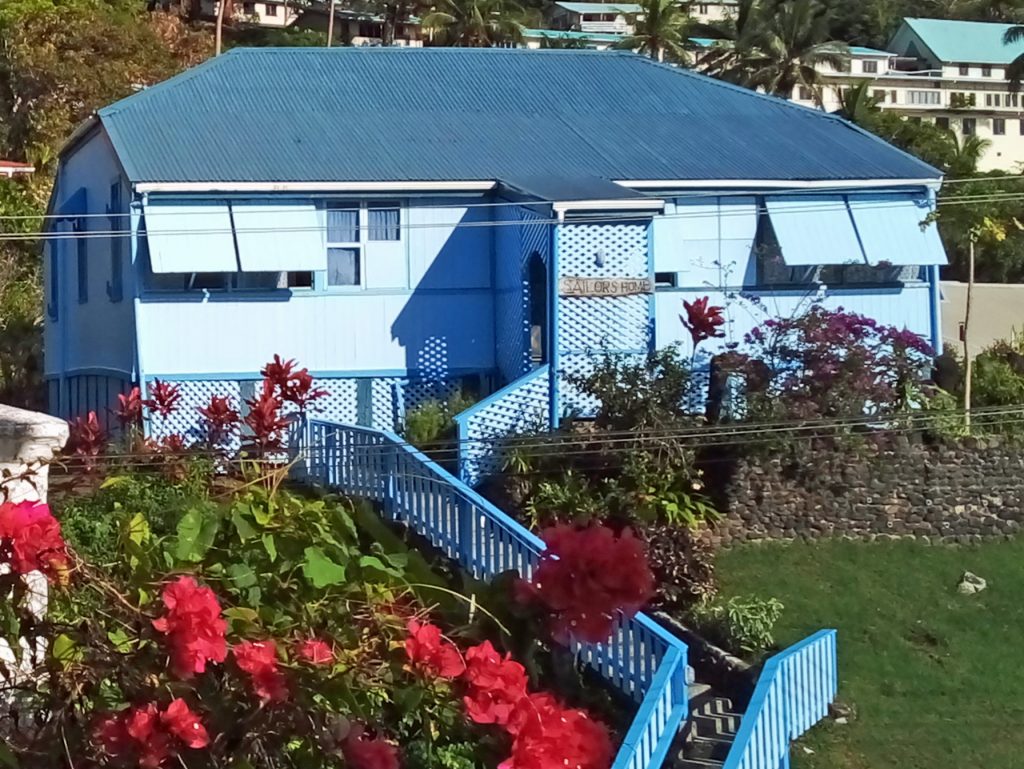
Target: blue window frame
(83, 261)
(115, 288)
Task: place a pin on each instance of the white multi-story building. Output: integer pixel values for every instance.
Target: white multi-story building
(952, 73)
(617, 18)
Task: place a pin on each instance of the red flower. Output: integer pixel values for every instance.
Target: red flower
(221, 420)
(278, 371)
(259, 660)
(194, 627)
(153, 744)
(363, 753)
(174, 443)
(431, 654)
(496, 685)
(702, 321)
(180, 721)
(85, 437)
(110, 733)
(163, 399)
(548, 736)
(586, 579)
(30, 540)
(292, 386)
(265, 421)
(315, 651)
(129, 408)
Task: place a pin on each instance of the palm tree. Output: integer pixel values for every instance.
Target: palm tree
(1015, 70)
(660, 31)
(856, 103)
(966, 154)
(476, 23)
(777, 46)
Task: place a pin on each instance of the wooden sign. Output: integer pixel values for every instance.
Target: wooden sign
(573, 286)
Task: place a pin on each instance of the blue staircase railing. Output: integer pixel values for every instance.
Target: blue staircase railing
(640, 659)
(518, 406)
(793, 693)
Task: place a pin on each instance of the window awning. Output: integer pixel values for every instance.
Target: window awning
(192, 236)
(814, 229)
(890, 228)
(278, 236)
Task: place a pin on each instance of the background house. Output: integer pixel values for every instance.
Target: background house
(10, 168)
(432, 218)
(952, 73)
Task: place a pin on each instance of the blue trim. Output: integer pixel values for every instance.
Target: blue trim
(412, 374)
(52, 306)
(82, 262)
(553, 323)
(936, 308)
(287, 294)
(91, 371)
(115, 287)
(651, 308)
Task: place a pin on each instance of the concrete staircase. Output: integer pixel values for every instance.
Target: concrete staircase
(709, 732)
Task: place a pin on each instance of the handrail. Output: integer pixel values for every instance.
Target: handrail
(793, 693)
(475, 450)
(641, 659)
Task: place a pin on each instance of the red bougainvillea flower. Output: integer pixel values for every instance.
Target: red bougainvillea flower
(86, 437)
(429, 653)
(129, 408)
(30, 540)
(315, 651)
(259, 660)
(496, 684)
(194, 627)
(180, 721)
(148, 735)
(587, 578)
(549, 736)
(365, 753)
(702, 321)
(164, 397)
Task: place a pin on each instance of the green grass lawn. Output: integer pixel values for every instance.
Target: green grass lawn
(937, 679)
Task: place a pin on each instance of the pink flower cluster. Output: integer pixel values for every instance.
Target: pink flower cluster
(149, 736)
(30, 540)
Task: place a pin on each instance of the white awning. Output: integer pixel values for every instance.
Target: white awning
(814, 229)
(894, 230)
(190, 236)
(279, 236)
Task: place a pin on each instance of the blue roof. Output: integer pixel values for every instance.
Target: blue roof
(623, 8)
(859, 50)
(464, 114)
(966, 41)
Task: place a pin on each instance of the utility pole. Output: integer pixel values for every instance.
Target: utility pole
(330, 26)
(220, 25)
(968, 363)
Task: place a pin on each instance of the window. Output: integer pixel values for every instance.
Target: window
(118, 230)
(870, 67)
(1020, 129)
(999, 126)
(343, 246)
(992, 99)
(805, 93)
(970, 126)
(986, 70)
(892, 97)
(702, 9)
(964, 70)
(942, 122)
(666, 279)
(271, 9)
(1011, 100)
(83, 261)
(383, 221)
(878, 96)
(208, 281)
(249, 9)
(924, 97)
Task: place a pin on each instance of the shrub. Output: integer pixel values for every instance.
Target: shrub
(741, 625)
(683, 561)
(431, 424)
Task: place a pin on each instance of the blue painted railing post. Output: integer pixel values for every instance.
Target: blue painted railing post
(466, 529)
(391, 484)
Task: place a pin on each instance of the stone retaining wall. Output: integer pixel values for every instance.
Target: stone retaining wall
(943, 494)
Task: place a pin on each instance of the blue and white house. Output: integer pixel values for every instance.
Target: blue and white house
(404, 222)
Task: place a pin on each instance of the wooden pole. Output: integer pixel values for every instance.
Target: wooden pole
(220, 26)
(968, 363)
(330, 26)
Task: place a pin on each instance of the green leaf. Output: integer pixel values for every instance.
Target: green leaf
(347, 523)
(373, 562)
(270, 546)
(121, 640)
(138, 529)
(262, 516)
(320, 570)
(196, 532)
(242, 526)
(115, 480)
(7, 757)
(241, 614)
(241, 575)
(66, 650)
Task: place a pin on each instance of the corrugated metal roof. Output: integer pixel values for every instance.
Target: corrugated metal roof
(626, 8)
(966, 41)
(436, 114)
(860, 50)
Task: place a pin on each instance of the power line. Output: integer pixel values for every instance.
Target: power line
(753, 191)
(576, 220)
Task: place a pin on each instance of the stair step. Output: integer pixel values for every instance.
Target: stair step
(696, 690)
(719, 725)
(707, 748)
(718, 706)
(697, 763)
